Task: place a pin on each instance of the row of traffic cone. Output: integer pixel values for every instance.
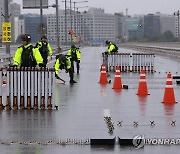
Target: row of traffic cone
(142, 88)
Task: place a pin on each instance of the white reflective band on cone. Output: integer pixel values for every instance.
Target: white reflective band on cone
(142, 80)
(103, 67)
(117, 76)
(169, 79)
(103, 71)
(169, 86)
(117, 70)
(143, 75)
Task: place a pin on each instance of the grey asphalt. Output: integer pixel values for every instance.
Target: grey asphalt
(82, 107)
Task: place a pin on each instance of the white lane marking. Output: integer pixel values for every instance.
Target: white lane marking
(106, 113)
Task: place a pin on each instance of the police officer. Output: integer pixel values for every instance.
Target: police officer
(111, 47)
(45, 49)
(26, 55)
(75, 56)
(63, 62)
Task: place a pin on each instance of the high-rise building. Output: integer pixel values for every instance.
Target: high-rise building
(19, 26)
(14, 11)
(121, 27)
(103, 25)
(32, 26)
(168, 23)
(135, 28)
(151, 26)
(89, 25)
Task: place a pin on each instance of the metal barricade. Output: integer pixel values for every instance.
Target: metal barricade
(30, 88)
(117, 59)
(142, 61)
(127, 62)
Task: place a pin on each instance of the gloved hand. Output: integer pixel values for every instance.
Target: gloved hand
(51, 57)
(78, 61)
(14, 65)
(106, 53)
(41, 65)
(67, 71)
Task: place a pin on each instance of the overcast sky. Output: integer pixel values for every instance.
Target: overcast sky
(111, 6)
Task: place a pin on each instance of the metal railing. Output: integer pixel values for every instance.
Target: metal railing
(6, 60)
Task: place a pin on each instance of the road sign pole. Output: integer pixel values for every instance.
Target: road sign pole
(6, 3)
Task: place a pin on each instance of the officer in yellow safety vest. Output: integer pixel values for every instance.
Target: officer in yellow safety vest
(111, 47)
(26, 55)
(75, 56)
(63, 62)
(45, 49)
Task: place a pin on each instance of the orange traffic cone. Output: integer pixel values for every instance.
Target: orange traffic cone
(142, 89)
(117, 79)
(103, 76)
(169, 91)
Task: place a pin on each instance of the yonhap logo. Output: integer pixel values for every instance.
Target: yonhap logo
(138, 141)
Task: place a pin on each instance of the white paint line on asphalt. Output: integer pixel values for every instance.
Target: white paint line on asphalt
(106, 112)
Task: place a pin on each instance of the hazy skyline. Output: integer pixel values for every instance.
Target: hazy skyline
(112, 6)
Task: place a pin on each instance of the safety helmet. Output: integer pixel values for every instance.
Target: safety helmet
(107, 42)
(73, 46)
(26, 37)
(44, 37)
(62, 58)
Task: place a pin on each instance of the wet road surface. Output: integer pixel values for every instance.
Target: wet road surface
(82, 107)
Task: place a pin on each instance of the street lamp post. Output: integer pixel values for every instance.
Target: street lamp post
(65, 22)
(71, 26)
(41, 18)
(57, 25)
(79, 20)
(75, 20)
(177, 14)
(71, 19)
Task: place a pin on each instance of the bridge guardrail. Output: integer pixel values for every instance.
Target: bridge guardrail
(6, 59)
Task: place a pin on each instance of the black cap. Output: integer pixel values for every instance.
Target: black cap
(107, 42)
(73, 46)
(26, 37)
(62, 58)
(44, 36)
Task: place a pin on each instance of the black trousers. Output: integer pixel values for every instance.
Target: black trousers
(45, 60)
(71, 73)
(77, 64)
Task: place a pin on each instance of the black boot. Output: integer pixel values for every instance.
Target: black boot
(71, 76)
(72, 81)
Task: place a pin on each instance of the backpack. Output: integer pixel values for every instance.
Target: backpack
(44, 50)
(74, 55)
(27, 57)
(116, 48)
